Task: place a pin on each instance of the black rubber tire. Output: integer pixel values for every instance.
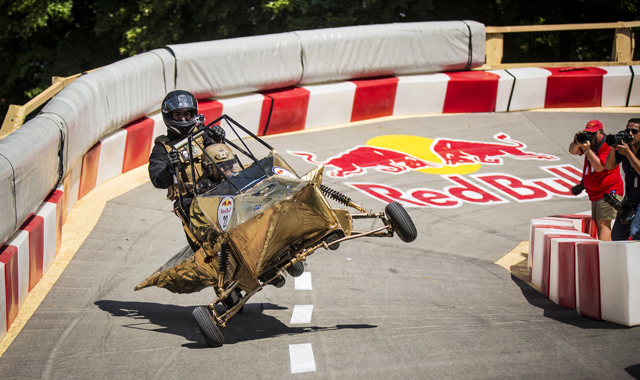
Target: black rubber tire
(210, 331)
(401, 222)
(296, 270)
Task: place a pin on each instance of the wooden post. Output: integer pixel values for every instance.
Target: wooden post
(13, 119)
(623, 51)
(16, 114)
(493, 49)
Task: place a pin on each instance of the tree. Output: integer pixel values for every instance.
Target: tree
(40, 39)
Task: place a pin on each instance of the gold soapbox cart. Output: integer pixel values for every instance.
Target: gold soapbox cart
(261, 221)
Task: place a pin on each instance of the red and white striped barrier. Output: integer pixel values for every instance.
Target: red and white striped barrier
(565, 224)
(562, 270)
(599, 279)
(313, 106)
(620, 282)
(28, 255)
(541, 262)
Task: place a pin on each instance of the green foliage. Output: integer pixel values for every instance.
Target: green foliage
(40, 39)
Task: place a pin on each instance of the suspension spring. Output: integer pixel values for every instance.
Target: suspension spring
(224, 258)
(335, 195)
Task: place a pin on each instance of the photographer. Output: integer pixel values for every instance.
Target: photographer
(626, 145)
(597, 179)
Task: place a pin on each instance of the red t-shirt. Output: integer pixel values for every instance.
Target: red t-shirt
(598, 183)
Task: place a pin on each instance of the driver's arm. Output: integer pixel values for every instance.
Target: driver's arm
(160, 171)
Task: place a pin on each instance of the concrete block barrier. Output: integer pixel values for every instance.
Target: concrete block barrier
(574, 87)
(542, 266)
(616, 84)
(573, 269)
(529, 88)
(471, 91)
(283, 111)
(421, 94)
(620, 282)
(588, 281)
(562, 270)
(556, 223)
(329, 104)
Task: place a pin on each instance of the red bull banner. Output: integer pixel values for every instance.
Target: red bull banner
(451, 159)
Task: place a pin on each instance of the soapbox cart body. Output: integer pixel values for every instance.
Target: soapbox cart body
(262, 221)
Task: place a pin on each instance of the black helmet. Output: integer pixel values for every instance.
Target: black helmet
(179, 101)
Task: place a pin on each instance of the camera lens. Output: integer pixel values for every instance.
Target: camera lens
(583, 137)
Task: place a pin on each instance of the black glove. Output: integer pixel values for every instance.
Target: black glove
(216, 133)
(174, 157)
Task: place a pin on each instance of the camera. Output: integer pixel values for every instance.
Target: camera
(577, 189)
(618, 138)
(627, 215)
(583, 137)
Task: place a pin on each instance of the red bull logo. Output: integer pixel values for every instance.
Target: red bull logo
(225, 210)
(451, 159)
(357, 160)
(463, 152)
(439, 156)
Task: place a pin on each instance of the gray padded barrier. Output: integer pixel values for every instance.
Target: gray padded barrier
(392, 49)
(7, 201)
(238, 65)
(102, 101)
(32, 153)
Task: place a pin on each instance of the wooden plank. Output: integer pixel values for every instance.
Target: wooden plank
(560, 27)
(555, 64)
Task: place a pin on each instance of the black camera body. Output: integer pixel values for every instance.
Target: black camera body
(620, 137)
(627, 214)
(582, 137)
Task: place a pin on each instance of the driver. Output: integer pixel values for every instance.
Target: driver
(218, 164)
(170, 169)
(217, 159)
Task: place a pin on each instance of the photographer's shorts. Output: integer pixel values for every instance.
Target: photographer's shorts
(601, 210)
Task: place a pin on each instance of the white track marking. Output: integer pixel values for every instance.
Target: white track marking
(301, 314)
(304, 281)
(301, 356)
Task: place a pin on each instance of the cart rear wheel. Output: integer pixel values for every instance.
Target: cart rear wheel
(211, 332)
(296, 270)
(401, 222)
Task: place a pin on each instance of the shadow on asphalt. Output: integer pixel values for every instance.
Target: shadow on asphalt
(559, 313)
(634, 371)
(252, 324)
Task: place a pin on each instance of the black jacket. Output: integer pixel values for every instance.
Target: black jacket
(160, 170)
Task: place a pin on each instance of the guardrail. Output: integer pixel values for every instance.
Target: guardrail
(622, 53)
(16, 114)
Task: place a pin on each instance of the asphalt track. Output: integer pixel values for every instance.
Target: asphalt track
(437, 308)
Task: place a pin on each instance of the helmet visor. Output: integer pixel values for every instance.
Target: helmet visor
(179, 102)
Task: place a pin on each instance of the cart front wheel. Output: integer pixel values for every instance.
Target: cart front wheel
(296, 270)
(401, 222)
(211, 332)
